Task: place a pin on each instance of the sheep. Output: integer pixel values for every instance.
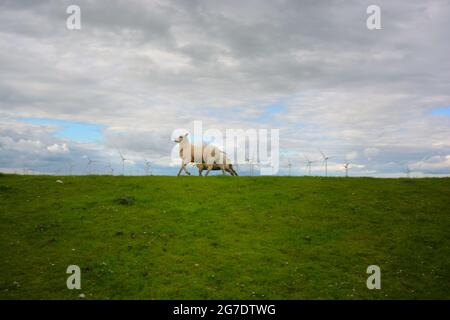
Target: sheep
(206, 157)
(188, 153)
(215, 159)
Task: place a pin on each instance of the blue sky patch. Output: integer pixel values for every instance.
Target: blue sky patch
(444, 111)
(277, 107)
(270, 110)
(76, 131)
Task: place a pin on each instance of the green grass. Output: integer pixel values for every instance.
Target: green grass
(224, 237)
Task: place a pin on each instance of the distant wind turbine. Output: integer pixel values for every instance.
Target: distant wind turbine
(111, 169)
(289, 166)
(308, 165)
(408, 171)
(123, 162)
(346, 168)
(88, 166)
(147, 167)
(71, 166)
(251, 164)
(325, 161)
(248, 161)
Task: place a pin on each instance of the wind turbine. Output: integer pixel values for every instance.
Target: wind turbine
(123, 162)
(147, 167)
(111, 170)
(408, 171)
(71, 166)
(252, 166)
(252, 163)
(346, 168)
(308, 164)
(90, 162)
(289, 166)
(325, 161)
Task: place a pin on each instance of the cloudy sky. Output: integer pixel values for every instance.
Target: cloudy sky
(137, 70)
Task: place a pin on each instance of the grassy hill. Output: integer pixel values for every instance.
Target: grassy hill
(224, 237)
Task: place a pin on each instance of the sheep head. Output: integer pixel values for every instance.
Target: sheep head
(181, 138)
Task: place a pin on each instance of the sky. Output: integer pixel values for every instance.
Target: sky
(138, 70)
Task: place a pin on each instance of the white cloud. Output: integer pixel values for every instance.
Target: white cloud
(432, 164)
(58, 148)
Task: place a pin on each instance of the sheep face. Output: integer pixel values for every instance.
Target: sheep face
(181, 138)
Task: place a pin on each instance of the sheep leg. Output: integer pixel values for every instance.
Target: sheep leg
(229, 169)
(200, 170)
(183, 167)
(179, 172)
(209, 169)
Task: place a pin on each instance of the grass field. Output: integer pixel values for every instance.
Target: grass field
(224, 237)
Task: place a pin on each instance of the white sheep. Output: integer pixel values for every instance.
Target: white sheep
(204, 156)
